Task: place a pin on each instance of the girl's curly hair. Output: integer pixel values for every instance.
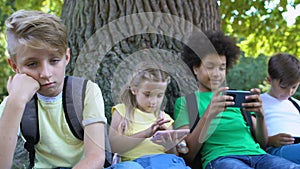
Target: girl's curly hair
(201, 45)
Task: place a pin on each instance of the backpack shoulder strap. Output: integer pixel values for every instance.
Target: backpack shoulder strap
(30, 128)
(192, 108)
(295, 104)
(248, 119)
(193, 112)
(73, 101)
(73, 104)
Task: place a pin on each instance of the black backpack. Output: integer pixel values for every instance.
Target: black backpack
(192, 108)
(73, 102)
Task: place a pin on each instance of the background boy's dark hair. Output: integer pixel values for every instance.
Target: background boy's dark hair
(210, 43)
(284, 67)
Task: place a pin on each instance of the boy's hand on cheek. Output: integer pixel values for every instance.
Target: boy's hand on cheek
(22, 87)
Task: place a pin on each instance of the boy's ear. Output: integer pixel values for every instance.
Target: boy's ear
(68, 56)
(12, 64)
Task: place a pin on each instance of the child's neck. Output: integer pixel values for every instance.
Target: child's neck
(49, 99)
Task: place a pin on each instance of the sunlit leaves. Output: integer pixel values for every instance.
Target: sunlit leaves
(49, 6)
(261, 25)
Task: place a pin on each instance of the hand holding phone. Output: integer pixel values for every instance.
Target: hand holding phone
(239, 96)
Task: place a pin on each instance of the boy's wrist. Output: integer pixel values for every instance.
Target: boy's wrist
(17, 100)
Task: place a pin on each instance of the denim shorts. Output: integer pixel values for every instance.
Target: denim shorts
(162, 161)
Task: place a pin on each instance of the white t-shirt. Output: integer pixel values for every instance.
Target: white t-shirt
(281, 116)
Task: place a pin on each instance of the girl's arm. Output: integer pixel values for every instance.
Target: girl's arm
(260, 129)
(198, 136)
(121, 143)
(94, 146)
(259, 124)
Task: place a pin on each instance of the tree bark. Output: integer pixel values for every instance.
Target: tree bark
(106, 37)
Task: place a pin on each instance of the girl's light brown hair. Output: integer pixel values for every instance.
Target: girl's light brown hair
(145, 71)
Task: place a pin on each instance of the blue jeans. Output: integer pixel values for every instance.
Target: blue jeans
(265, 161)
(162, 161)
(121, 165)
(290, 152)
(126, 165)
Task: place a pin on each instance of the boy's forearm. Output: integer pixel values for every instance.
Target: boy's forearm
(94, 147)
(9, 125)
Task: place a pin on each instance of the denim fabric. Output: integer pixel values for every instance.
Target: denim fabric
(126, 165)
(265, 161)
(290, 152)
(162, 161)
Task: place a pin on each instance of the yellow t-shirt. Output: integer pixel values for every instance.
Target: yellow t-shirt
(57, 145)
(141, 121)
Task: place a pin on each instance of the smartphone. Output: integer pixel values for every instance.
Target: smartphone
(164, 133)
(297, 140)
(239, 96)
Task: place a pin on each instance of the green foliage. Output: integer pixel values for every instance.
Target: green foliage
(261, 26)
(249, 73)
(6, 8)
(49, 6)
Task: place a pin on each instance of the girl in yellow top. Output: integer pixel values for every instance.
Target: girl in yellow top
(138, 117)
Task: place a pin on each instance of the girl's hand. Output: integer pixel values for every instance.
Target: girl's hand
(281, 139)
(219, 102)
(158, 125)
(254, 103)
(22, 87)
(169, 139)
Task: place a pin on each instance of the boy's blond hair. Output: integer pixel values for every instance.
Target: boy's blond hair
(36, 30)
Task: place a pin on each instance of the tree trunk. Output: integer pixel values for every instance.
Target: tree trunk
(108, 37)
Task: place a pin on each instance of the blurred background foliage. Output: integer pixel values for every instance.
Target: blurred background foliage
(261, 28)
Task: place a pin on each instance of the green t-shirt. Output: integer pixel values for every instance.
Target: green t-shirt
(228, 133)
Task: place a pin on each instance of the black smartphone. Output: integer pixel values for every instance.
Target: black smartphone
(239, 96)
(297, 140)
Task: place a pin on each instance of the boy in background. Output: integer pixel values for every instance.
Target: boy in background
(281, 113)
